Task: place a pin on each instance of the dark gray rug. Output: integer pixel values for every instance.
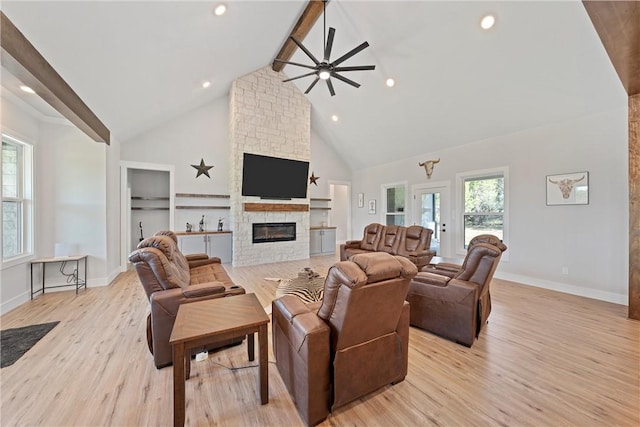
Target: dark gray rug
(17, 341)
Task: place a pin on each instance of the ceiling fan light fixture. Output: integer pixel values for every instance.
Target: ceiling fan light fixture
(324, 73)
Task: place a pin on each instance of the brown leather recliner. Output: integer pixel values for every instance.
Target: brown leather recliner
(411, 242)
(456, 308)
(353, 342)
(171, 279)
(450, 269)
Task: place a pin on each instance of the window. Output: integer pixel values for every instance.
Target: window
(394, 202)
(484, 204)
(16, 198)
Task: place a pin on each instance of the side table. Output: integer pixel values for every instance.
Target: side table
(78, 283)
(204, 322)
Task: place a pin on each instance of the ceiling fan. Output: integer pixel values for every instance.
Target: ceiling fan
(326, 69)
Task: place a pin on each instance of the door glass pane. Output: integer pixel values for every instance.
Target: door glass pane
(430, 217)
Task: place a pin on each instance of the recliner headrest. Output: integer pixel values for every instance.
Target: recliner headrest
(379, 266)
(165, 244)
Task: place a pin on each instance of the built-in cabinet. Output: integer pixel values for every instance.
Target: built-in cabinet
(213, 243)
(322, 240)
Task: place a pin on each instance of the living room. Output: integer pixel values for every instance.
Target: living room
(78, 188)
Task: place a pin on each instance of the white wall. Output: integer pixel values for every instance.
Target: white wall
(198, 134)
(70, 199)
(590, 240)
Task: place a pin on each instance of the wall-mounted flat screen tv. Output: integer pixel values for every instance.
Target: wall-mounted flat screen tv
(274, 177)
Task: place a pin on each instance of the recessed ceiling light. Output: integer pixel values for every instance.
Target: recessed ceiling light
(334, 118)
(27, 89)
(206, 84)
(390, 82)
(220, 9)
(487, 22)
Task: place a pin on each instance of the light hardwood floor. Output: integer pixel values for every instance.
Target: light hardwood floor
(544, 359)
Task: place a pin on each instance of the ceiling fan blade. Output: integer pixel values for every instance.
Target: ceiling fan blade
(330, 86)
(344, 79)
(313, 83)
(299, 77)
(355, 68)
(305, 50)
(295, 63)
(350, 54)
(327, 50)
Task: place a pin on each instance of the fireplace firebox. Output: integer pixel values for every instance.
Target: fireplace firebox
(264, 232)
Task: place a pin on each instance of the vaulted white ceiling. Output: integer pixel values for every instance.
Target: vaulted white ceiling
(138, 64)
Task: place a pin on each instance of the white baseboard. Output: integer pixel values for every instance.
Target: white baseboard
(14, 302)
(615, 298)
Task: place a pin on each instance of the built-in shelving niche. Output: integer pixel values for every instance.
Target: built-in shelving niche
(204, 201)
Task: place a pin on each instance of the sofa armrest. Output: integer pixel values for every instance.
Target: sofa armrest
(431, 279)
(193, 257)
(301, 345)
(447, 266)
(203, 289)
(197, 262)
(453, 290)
(170, 300)
(352, 243)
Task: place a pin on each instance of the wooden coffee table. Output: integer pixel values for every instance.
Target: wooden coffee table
(204, 322)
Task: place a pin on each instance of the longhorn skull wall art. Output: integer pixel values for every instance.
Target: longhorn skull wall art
(428, 166)
(568, 189)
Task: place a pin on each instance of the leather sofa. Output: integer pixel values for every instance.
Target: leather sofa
(171, 279)
(411, 242)
(456, 307)
(351, 343)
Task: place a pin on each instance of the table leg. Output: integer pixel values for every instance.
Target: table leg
(264, 364)
(251, 347)
(178, 384)
(187, 365)
(44, 268)
(31, 280)
(77, 274)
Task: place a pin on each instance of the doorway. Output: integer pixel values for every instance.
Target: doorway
(431, 210)
(340, 213)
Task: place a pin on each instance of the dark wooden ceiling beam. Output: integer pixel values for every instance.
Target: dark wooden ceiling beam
(22, 59)
(306, 21)
(618, 25)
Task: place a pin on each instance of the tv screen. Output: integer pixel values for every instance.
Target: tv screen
(274, 177)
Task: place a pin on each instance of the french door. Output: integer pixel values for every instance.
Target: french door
(431, 210)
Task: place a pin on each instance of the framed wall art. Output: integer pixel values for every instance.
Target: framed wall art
(361, 200)
(568, 189)
(372, 207)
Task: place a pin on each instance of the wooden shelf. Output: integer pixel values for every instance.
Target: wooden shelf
(275, 207)
(148, 198)
(314, 199)
(148, 208)
(203, 196)
(314, 208)
(203, 207)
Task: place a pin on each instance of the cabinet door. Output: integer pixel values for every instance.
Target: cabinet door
(220, 245)
(315, 242)
(328, 241)
(196, 244)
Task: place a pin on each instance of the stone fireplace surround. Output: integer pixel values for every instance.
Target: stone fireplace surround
(271, 118)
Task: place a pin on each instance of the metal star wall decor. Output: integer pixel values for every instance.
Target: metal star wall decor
(313, 179)
(202, 169)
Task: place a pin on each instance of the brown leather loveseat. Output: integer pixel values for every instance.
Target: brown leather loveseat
(352, 342)
(411, 242)
(170, 279)
(456, 307)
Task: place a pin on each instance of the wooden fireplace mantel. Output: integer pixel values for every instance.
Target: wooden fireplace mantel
(275, 207)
